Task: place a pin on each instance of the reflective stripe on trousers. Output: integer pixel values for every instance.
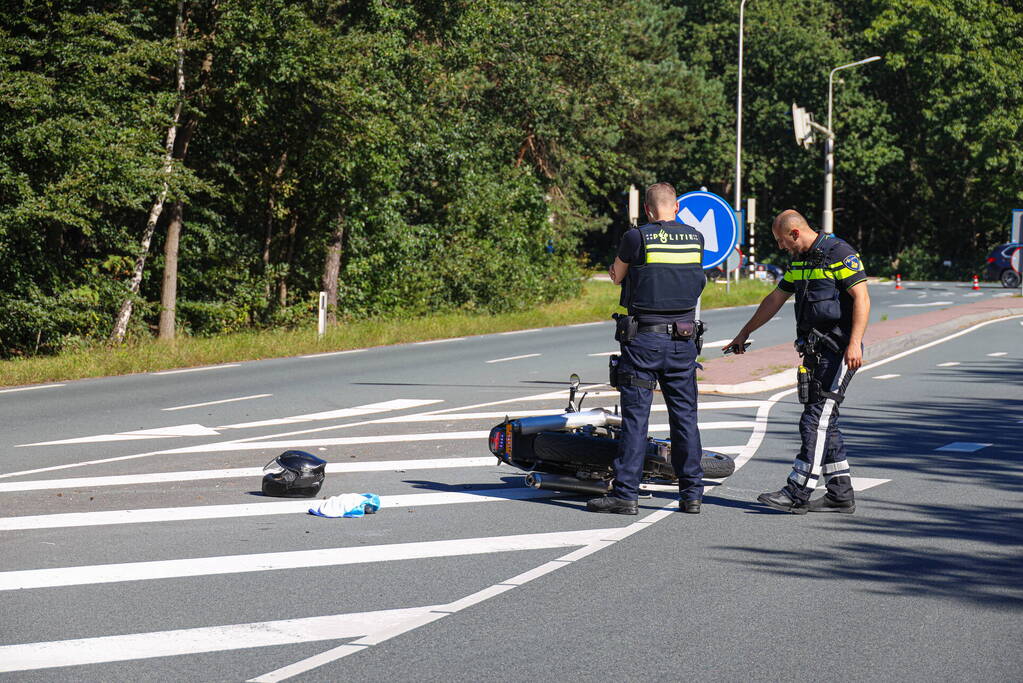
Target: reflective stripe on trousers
(822, 453)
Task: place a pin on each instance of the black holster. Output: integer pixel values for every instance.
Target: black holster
(612, 370)
(626, 327)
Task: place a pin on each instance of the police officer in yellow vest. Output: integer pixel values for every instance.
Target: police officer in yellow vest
(832, 307)
(660, 268)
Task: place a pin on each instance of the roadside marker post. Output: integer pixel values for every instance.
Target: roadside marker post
(976, 283)
(898, 281)
(321, 326)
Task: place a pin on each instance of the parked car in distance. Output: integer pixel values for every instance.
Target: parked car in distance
(999, 265)
(768, 272)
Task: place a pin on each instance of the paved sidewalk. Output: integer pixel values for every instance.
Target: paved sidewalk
(772, 368)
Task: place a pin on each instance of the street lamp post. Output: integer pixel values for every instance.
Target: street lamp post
(829, 149)
(738, 127)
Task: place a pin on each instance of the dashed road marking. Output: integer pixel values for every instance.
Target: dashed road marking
(214, 403)
(949, 364)
(931, 303)
(534, 329)
(440, 341)
(202, 369)
(963, 447)
(997, 354)
(891, 376)
(32, 388)
(332, 353)
(502, 360)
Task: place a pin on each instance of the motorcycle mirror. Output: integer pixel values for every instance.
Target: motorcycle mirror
(573, 386)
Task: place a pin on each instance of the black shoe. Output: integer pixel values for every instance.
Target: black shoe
(828, 504)
(691, 507)
(781, 500)
(612, 504)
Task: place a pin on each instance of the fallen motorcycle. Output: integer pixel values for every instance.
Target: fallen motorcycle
(574, 451)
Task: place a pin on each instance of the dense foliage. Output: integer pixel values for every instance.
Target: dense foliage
(464, 154)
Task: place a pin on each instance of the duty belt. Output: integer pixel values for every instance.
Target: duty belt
(662, 328)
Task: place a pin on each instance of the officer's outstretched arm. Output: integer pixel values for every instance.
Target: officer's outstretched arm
(767, 309)
(860, 315)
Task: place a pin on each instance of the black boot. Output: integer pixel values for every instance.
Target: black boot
(618, 506)
(781, 500)
(828, 504)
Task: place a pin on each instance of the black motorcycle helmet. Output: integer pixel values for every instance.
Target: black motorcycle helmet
(294, 474)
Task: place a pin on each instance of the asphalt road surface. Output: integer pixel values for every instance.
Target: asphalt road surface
(135, 544)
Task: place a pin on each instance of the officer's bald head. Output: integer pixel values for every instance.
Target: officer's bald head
(660, 201)
(792, 232)
(788, 220)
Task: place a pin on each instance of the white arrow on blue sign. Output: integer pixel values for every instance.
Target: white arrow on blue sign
(713, 218)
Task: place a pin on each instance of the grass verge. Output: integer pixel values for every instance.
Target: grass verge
(598, 300)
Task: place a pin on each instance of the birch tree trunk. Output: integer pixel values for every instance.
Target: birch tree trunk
(282, 284)
(124, 315)
(169, 289)
(332, 267)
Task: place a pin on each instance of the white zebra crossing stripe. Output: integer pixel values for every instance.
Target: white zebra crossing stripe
(297, 559)
(29, 656)
(180, 514)
(198, 475)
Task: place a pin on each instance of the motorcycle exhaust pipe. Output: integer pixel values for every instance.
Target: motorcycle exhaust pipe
(598, 417)
(558, 482)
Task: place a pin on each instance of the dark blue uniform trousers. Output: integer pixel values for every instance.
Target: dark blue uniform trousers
(653, 356)
(822, 454)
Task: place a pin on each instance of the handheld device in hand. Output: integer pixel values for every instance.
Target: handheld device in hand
(731, 349)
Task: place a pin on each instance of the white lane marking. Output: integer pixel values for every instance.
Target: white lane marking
(996, 354)
(32, 388)
(202, 369)
(512, 414)
(864, 483)
(179, 514)
(602, 353)
(974, 294)
(252, 445)
(158, 433)
(214, 403)
(368, 409)
(587, 324)
(439, 341)
(413, 622)
(998, 296)
(534, 329)
(501, 360)
(949, 364)
(134, 456)
(886, 376)
(295, 559)
(198, 475)
(332, 353)
(963, 447)
(932, 303)
(706, 426)
(45, 655)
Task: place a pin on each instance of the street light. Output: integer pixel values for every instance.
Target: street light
(829, 148)
(738, 131)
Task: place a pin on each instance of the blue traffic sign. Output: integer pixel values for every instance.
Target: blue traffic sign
(713, 218)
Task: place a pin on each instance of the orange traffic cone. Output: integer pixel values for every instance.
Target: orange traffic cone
(976, 284)
(898, 281)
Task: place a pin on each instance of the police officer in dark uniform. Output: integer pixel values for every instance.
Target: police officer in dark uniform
(660, 266)
(832, 307)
